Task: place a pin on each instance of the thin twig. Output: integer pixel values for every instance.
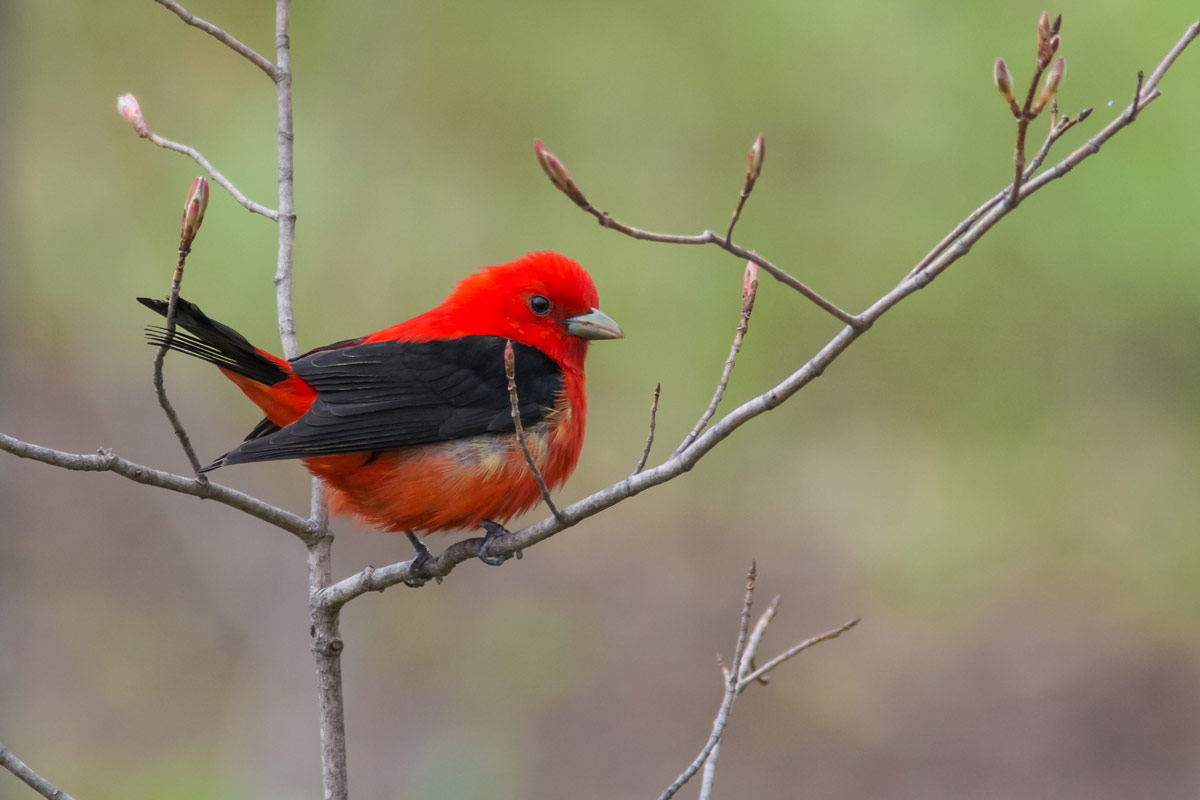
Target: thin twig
(762, 672)
(730, 696)
(213, 172)
(709, 237)
(708, 776)
(756, 635)
(561, 178)
(641, 465)
(1135, 106)
(749, 291)
(754, 163)
(515, 409)
(17, 767)
(160, 356)
(106, 461)
(221, 36)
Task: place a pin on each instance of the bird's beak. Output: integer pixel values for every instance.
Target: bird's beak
(594, 325)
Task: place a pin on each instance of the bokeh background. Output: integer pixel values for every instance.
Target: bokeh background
(1001, 478)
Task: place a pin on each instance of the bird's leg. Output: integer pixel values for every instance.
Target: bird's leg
(494, 531)
(423, 555)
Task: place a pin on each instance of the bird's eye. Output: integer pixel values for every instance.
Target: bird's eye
(539, 304)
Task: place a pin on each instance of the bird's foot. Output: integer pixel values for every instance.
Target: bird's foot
(494, 531)
(423, 556)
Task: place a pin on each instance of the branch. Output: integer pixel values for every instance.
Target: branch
(562, 179)
(223, 37)
(17, 767)
(761, 674)
(287, 207)
(731, 693)
(414, 573)
(649, 436)
(515, 410)
(107, 461)
(193, 216)
(749, 291)
(130, 109)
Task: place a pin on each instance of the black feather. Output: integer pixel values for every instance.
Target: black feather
(386, 395)
(213, 342)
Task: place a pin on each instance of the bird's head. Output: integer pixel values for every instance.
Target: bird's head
(541, 299)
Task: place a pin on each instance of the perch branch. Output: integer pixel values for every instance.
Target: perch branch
(440, 566)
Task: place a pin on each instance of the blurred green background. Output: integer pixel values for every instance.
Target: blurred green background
(1002, 477)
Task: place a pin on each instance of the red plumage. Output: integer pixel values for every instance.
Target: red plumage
(410, 427)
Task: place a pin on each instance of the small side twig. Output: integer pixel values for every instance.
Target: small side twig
(17, 767)
(193, 215)
(130, 109)
(641, 465)
(749, 292)
(515, 407)
(1136, 105)
(762, 672)
(754, 163)
(220, 35)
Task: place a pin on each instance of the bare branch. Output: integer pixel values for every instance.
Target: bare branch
(193, 216)
(17, 767)
(128, 106)
(515, 409)
(223, 37)
(287, 207)
(650, 436)
(762, 672)
(731, 692)
(749, 291)
(106, 461)
(562, 179)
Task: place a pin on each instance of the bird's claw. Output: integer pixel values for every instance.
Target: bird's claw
(423, 556)
(494, 531)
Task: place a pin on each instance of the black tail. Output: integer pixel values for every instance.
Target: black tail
(213, 342)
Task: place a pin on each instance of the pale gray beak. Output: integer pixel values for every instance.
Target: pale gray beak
(594, 325)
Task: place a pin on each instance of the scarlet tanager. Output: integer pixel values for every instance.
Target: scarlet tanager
(410, 428)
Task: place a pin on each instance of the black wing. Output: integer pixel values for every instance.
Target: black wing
(385, 395)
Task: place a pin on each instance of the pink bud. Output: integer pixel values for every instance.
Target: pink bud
(1004, 81)
(1053, 79)
(1044, 28)
(193, 212)
(127, 106)
(558, 174)
(750, 280)
(754, 161)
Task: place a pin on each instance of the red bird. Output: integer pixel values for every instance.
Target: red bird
(410, 428)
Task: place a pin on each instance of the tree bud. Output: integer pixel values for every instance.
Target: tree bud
(128, 107)
(558, 174)
(193, 212)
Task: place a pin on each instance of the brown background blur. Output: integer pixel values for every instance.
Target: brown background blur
(1001, 477)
